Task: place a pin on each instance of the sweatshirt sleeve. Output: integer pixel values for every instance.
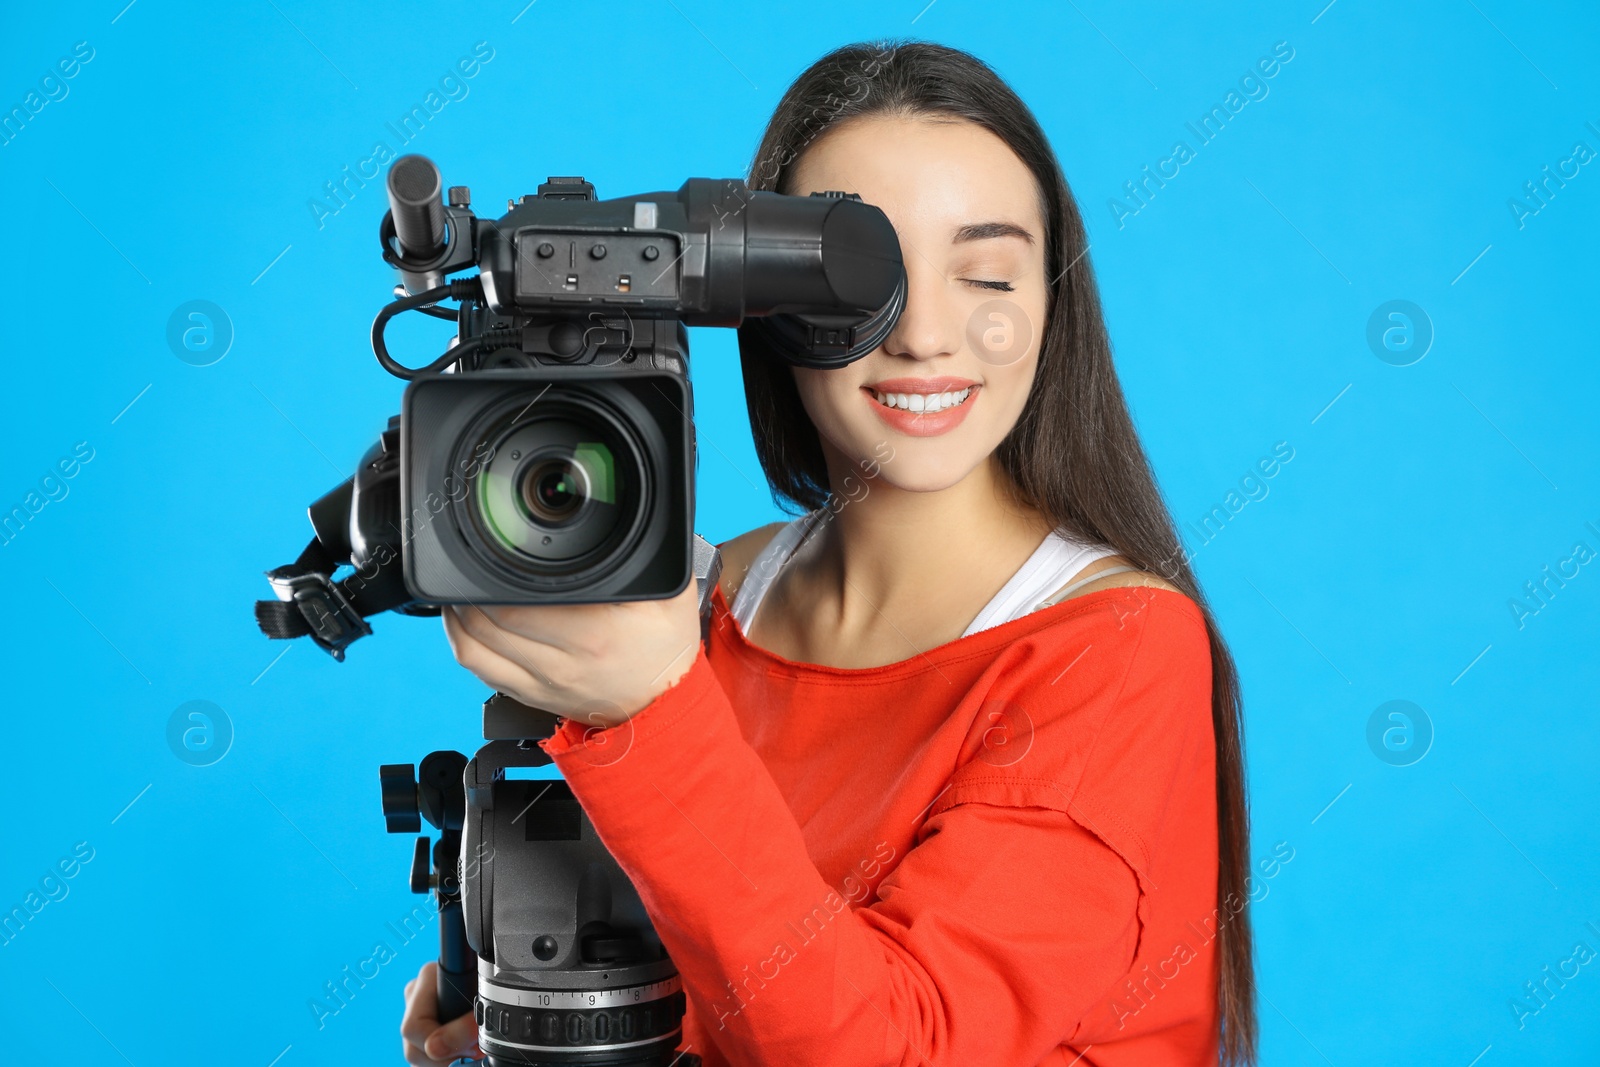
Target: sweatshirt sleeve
(996, 932)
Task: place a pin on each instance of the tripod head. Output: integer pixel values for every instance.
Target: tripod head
(541, 934)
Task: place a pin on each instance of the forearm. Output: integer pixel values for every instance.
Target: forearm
(966, 957)
(693, 816)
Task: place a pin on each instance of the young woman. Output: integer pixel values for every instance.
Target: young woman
(958, 780)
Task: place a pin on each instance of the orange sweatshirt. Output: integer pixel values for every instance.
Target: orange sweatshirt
(1001, 852)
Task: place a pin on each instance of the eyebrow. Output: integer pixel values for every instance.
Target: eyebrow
(981, 231)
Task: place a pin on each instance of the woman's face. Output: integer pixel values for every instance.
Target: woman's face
(951, 379)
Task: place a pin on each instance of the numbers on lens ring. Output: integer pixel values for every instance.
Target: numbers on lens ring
(596, 999)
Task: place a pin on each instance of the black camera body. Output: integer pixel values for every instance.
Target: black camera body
(548, 455)
(590, 501)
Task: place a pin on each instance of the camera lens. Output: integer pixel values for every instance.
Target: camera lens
(552, 493)
(561, 492)
(554, 490)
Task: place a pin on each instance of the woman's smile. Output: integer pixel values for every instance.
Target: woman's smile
(922, 407)
(969, 216)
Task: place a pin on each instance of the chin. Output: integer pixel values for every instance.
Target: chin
(931, 484)
(914, 466)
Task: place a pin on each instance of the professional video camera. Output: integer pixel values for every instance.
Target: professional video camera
(556, 463)
(547, 457)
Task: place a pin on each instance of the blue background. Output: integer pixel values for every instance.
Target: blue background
(1381, 565)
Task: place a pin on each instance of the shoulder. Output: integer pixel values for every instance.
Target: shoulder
(739, 552)
(1122, 579)
(1140, 589)
(1113, 697)
(1132, 636)
(1103, 711)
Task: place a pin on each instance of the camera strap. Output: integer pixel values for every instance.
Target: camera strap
(311, 604)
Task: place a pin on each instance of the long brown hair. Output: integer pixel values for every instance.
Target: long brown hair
(1073, 455)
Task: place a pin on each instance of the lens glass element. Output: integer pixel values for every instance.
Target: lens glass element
(553, 494)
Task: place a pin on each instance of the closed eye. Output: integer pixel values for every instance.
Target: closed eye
(1004, 287)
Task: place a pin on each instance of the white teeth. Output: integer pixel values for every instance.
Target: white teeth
(923, 402)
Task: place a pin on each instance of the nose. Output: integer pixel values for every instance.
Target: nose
(929, 327)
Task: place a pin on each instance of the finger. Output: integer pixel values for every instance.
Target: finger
(422, 1002)
(456, 632)
(464, 644)
(520, 652)
(418, 1058)
(488, 666)
(458, 1037)
(482, 626)
(426, 1042)
(471, 650)
(548, 624)
(504, 643)
(419, 1021)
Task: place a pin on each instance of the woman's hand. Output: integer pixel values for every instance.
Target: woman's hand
(600, 664)
(426, 1043)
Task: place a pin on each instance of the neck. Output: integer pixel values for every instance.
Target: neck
(899, 552)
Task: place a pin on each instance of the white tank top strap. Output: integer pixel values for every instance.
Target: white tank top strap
(1075, 586)
(765, 567)
(1058, 557)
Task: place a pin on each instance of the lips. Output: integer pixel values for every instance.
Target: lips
(941, 384)
(921, 423)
